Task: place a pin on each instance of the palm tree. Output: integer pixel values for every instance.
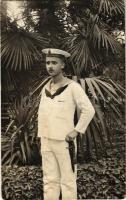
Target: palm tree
(88, 36)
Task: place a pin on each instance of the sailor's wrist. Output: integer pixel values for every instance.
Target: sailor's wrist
(75, 130)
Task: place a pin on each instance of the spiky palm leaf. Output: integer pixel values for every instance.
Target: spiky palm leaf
(20, 48)
(19, 146)
(99, 35)
(105, 95)
(37, 87)
(87, 45)
(109, 6)
(7, 151)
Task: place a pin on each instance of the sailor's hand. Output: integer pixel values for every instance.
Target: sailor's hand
(71, 136)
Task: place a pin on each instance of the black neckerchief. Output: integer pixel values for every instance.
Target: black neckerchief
(58, 91)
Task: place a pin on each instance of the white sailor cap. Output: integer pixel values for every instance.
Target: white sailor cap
(55, 52)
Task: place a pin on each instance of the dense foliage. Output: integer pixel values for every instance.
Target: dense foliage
(21, 183)
(87, 29)
(104, 179)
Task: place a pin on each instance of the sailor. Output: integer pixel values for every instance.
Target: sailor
(59, 99)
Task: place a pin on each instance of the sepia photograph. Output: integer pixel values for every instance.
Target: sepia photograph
(62, 99)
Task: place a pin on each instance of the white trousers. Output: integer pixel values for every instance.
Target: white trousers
(57, 170)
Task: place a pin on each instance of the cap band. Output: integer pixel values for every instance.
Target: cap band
(55, 52)
(55, 55)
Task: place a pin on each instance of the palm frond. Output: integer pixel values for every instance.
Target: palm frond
(4, 157)
(22, 146)
(37, 87)
(9, 125)
(100, 117)
(91, 88)
(80, 52)
(109, 6)
(102, 39)
(24, 113)
(107, 86)
(5, 143)
(17, 131)
(86, 46)
(13, 157)
(100, 89)
(115, 110)
(120, 89)
(19, 49)
(97, 88)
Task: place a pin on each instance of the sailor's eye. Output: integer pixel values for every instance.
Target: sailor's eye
(54, 62)
(48, 62)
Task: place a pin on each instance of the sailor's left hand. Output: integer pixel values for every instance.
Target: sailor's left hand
(71, 136)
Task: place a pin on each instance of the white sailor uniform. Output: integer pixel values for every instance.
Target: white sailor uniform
(55, 121)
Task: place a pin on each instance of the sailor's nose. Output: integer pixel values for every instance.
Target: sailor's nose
(50, 68)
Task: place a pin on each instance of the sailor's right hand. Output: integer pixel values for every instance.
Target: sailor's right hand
(71, 136)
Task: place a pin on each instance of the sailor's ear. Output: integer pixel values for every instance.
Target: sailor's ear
(63, 65)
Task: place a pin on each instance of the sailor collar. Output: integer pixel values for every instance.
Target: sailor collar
(58, 91)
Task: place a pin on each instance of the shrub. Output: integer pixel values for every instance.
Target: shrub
(102, 180)
(97, 180)
(20, 183)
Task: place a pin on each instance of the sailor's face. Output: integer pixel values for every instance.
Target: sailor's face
(54, 65)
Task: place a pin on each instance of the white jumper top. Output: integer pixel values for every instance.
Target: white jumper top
(56, 115)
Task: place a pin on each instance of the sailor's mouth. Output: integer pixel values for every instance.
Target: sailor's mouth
(51, 71)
